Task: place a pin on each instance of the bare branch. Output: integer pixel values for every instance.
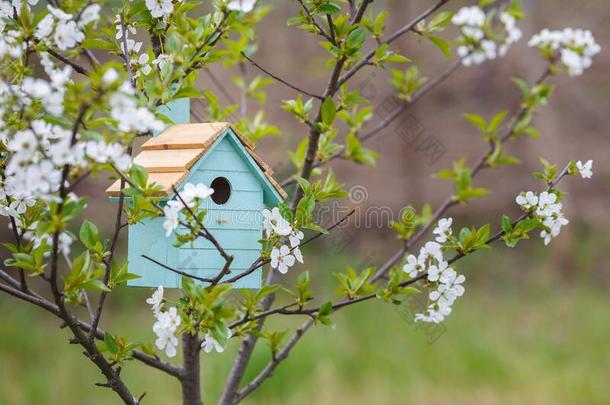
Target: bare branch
(182, 273)
(77, 68)
(279, 357)
(279, 79)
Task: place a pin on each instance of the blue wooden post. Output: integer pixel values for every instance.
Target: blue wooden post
(179, 111)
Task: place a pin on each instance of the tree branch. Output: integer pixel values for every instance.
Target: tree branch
(279, 79)
(191, 385)
(77, 68)
(182, 273)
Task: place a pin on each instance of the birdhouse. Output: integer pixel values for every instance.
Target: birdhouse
(217, 155)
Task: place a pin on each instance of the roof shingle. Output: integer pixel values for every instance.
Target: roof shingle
(169, 156)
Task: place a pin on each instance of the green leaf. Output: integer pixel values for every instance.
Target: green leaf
(81, 263)
(523, 87)
(355, 39)
(506, 224)
(495, 122)
(139, 176)
(442, 45)
(110, 343)
(329, 111)
(304, 184)
(439, 20)
(329, 8)
(477, 121)
(326, 309)
(89, 234)
(95, 285)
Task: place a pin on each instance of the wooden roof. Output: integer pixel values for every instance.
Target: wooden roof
(169, 156)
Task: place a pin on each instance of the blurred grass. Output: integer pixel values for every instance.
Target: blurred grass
(547, 343)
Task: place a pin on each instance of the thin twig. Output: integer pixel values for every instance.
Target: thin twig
(77, 68)
(321, 30)
(279, 79)
(182, 273)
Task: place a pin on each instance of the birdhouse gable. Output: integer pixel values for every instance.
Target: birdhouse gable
(171, 157)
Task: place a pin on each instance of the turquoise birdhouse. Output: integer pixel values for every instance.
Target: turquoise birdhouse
(217, 155)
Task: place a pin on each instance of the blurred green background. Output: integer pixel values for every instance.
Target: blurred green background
(534, 324)
(520, 335)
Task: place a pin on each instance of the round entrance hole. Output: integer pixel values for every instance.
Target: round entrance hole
(222, 190)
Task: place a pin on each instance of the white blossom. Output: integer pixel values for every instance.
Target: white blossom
(574, 47)
(437, 272)
(436, 313)
(172, 214)
(414, 265)
(448, 292)
(62, 29)
(295, 238)
(44, 27)
(160, 8)
(90, 14)
(546, 208)
(431, 250)
(547, 204)
(162, 61)
(64, 240)
(282, 259)
(130, 117)
(6, 12)
(165, 327)
(472, 16)
(156, 300)
(443, 229)
(241, 5)
(478, 44)
(108, 152)
(110, 76)
(585, 169)
(444, 282)
(273, 222)
(191, 193)
(554, 222)
(209, 343)
(527, 200)
(298, 255)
